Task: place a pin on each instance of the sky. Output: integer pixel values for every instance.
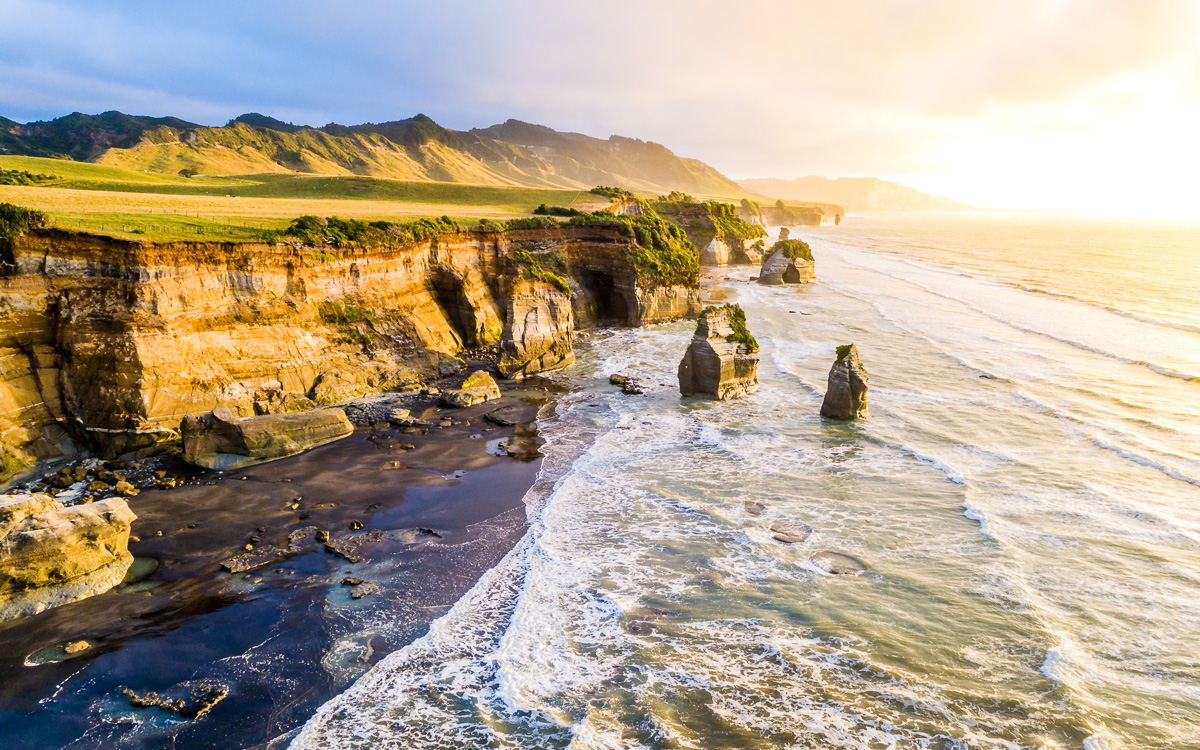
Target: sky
(1051, 104)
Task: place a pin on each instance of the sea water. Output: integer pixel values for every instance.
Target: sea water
(1026, 495)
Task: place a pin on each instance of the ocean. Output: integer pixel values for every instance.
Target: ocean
(1026, 496)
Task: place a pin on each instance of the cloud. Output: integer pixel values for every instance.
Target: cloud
(757, 88)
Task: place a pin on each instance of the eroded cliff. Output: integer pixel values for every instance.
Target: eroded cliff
(107, 344)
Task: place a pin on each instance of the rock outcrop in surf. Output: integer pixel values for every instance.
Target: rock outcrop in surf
(846, 396)
(51, 554)
(789, 262)
(722, 360)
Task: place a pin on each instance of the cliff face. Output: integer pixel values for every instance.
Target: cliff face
(107, 344)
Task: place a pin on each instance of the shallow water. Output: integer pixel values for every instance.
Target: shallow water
(1026, 495)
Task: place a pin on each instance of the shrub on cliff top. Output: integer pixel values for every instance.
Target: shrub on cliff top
(737, 321)
(313, 230)
(793, 249)
(544, 210)
(664, 255)
(16, 219)
(532, 222)
(612, 193)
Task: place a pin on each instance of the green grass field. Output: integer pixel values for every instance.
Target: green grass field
(160, 207)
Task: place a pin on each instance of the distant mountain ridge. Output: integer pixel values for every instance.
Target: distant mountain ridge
(858, 194)
(417, 148)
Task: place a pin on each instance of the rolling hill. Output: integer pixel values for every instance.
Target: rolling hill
(857, 194)
(513, 153)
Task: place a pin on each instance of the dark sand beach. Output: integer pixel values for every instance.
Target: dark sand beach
(282, 637)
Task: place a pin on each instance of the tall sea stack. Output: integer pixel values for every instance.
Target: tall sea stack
(846, 397)
(722, 360)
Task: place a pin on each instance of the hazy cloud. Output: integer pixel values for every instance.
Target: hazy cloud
(757, 88)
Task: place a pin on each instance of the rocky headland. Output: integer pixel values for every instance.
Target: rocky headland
(106, 344)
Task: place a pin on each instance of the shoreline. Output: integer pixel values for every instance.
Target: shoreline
(283, 637)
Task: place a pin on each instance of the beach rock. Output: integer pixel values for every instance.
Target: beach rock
(790, 533)
(477, 388)
(75, 647)
(630, 388)
(51, 554)
(839, 564)
(789, 262)
(539, 330)
(125, 489)
(618, 379)
(754, 508)
(219, 440)
(716, 363)
(846, 395)
(366, 588)
(200, 699)
(505, 416)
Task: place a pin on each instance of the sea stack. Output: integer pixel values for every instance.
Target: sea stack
(722, 360)
(789, 262)
(51, 554)
(846, 397)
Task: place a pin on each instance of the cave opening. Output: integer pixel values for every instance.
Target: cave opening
(449, 292)
(607, 304)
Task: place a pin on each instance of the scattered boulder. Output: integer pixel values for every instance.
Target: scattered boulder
(51, 554)
(477, 388)
(790, 533)
(839, 564)
(722, 360)
(789, 262)
(366, 588)
(846, 395)
(505, 416)
(75, 647)
(618, 379)
(630, 388)
(125, 489)
(754, 508)
(219, 440)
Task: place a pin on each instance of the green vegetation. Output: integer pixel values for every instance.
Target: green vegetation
(16, 219)
(24, 177)
(347, 316)
(843, 351)
(737, 321)
(534, 270)
(532, 222)
(13, 221)
(312, 230)
(665, 255)
(726, 225)
(793, 249)
(612, 193)
(544, 210)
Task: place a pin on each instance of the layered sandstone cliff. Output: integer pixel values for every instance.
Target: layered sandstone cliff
(107, 344)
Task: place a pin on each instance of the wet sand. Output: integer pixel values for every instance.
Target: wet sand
(284, 637)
